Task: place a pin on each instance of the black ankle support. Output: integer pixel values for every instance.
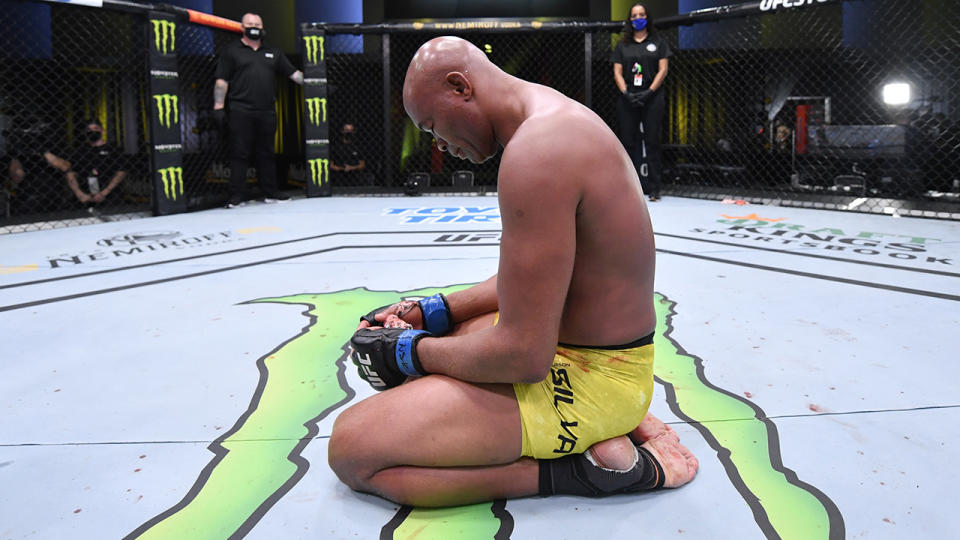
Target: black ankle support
(576, 475)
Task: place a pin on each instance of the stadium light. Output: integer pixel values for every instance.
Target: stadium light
(896, 93)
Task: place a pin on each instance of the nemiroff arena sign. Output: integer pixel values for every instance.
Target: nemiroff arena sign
(772, 5)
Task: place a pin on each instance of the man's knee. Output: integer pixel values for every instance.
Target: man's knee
(346, 450)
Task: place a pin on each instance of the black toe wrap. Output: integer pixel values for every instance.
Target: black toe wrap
(576, 475)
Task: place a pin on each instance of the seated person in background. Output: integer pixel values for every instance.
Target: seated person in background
(349, 167)
(33, 171)
(96, 168)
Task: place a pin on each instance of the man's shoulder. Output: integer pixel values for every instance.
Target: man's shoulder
(233, 47)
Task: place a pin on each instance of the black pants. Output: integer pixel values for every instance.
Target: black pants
(252, 135)
(643, 145)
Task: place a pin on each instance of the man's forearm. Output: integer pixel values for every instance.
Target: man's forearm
(73, 184)
(477, 300)
(220, 93)
(117, 178)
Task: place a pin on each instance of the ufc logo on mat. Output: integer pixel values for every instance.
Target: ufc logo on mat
(364, 362)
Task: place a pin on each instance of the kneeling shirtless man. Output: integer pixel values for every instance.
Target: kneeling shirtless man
(538, 380)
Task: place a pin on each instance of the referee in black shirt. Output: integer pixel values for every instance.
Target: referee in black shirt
(245, 77)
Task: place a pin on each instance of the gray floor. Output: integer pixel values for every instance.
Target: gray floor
(808, 358)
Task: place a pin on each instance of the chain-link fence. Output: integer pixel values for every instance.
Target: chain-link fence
(850, 105)
(106, 114)
(765, 103)
(71, 112)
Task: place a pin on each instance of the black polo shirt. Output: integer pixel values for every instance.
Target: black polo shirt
(251, 75)
(101, 161)
(641, 61)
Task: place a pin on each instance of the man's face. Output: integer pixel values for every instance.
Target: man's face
(457, 125)
(94, 133)
(348, 132)
(251, 21)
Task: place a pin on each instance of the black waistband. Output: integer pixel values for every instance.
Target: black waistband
(645, 340)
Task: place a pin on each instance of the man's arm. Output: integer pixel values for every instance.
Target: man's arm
(220, 93)
(56, 162)
(538, 205)
(75, 187)
(114, 182)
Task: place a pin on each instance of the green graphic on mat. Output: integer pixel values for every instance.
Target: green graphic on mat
(746, 442)
(260, 458)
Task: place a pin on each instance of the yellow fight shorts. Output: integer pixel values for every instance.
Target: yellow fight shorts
(592, 394)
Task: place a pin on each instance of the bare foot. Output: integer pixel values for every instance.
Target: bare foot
(650, 428)
(678, 462)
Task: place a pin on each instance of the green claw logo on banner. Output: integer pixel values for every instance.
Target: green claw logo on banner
(319, 171)
(317, 110)
(167, 106)
(172, 178)
(314, 45)
(164, 33)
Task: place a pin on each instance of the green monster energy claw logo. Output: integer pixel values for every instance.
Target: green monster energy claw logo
(317, 110)
(172, 178)
(313, 45)
(167, 107)
(164, 32)
(319, 171)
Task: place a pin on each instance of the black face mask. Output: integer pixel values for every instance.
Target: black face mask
(348, 137)
(253, 33)
(93, 136)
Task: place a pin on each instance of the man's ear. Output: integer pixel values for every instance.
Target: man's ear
(460, 83)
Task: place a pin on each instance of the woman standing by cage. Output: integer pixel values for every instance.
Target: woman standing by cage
(640, 108)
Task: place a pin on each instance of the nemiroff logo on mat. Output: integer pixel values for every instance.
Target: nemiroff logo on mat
(139, 243)
(779, 233)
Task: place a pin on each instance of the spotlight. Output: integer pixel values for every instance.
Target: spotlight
(896, 93)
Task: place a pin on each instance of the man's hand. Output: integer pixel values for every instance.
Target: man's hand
(83, 197)
(385, 357)
(99, 197)
(433, 315)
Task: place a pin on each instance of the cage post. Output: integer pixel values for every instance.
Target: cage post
(588, 69)
(388, 138)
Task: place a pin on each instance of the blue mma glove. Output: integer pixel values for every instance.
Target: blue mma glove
(435, 310)
(385, 357)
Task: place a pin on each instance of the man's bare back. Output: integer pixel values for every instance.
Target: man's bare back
(609, 299)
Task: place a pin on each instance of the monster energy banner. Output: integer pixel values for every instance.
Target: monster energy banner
(316, 128)
(165, 144)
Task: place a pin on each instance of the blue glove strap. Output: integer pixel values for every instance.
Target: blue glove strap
(404, 351)
(436, 316)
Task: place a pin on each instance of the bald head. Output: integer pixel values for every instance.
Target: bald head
(443, 94)
(435, 60)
